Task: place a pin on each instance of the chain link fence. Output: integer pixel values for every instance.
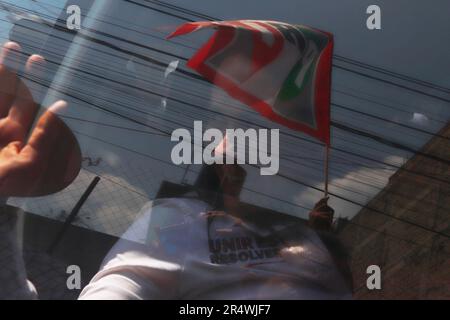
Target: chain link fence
(125, 187)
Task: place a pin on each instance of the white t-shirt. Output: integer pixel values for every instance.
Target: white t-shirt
(180, 252)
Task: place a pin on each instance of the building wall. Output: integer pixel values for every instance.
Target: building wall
(415, 263)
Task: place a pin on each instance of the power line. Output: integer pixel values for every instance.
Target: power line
(388, 142)
(347, 60)
(432, 118)
(197, 77)
(188, 11)
(392, 73)
(222, 114)
(340, 126)
(393, 83)
(302, 183)
(111, 125)
(297, 181)
(341, 58)
(290, 179)
(390, 121)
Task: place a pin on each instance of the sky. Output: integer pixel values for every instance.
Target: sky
(413, 41)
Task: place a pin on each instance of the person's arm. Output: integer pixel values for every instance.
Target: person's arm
(34, 160)
(321, 221)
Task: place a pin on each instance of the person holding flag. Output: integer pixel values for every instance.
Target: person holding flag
(202, 245)
(281, 70)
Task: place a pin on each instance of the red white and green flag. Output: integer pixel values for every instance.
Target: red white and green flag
(279, 69)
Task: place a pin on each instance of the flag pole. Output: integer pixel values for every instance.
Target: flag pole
(327, 160)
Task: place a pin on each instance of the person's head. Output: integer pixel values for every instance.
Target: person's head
(221, 184)
(232, 178)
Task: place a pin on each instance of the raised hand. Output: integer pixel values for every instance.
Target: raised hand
(39, 162)
(321, 216)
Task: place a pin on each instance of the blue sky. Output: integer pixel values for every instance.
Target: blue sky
(413, 41)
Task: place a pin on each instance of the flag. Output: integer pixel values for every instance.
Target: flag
(281, 70)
